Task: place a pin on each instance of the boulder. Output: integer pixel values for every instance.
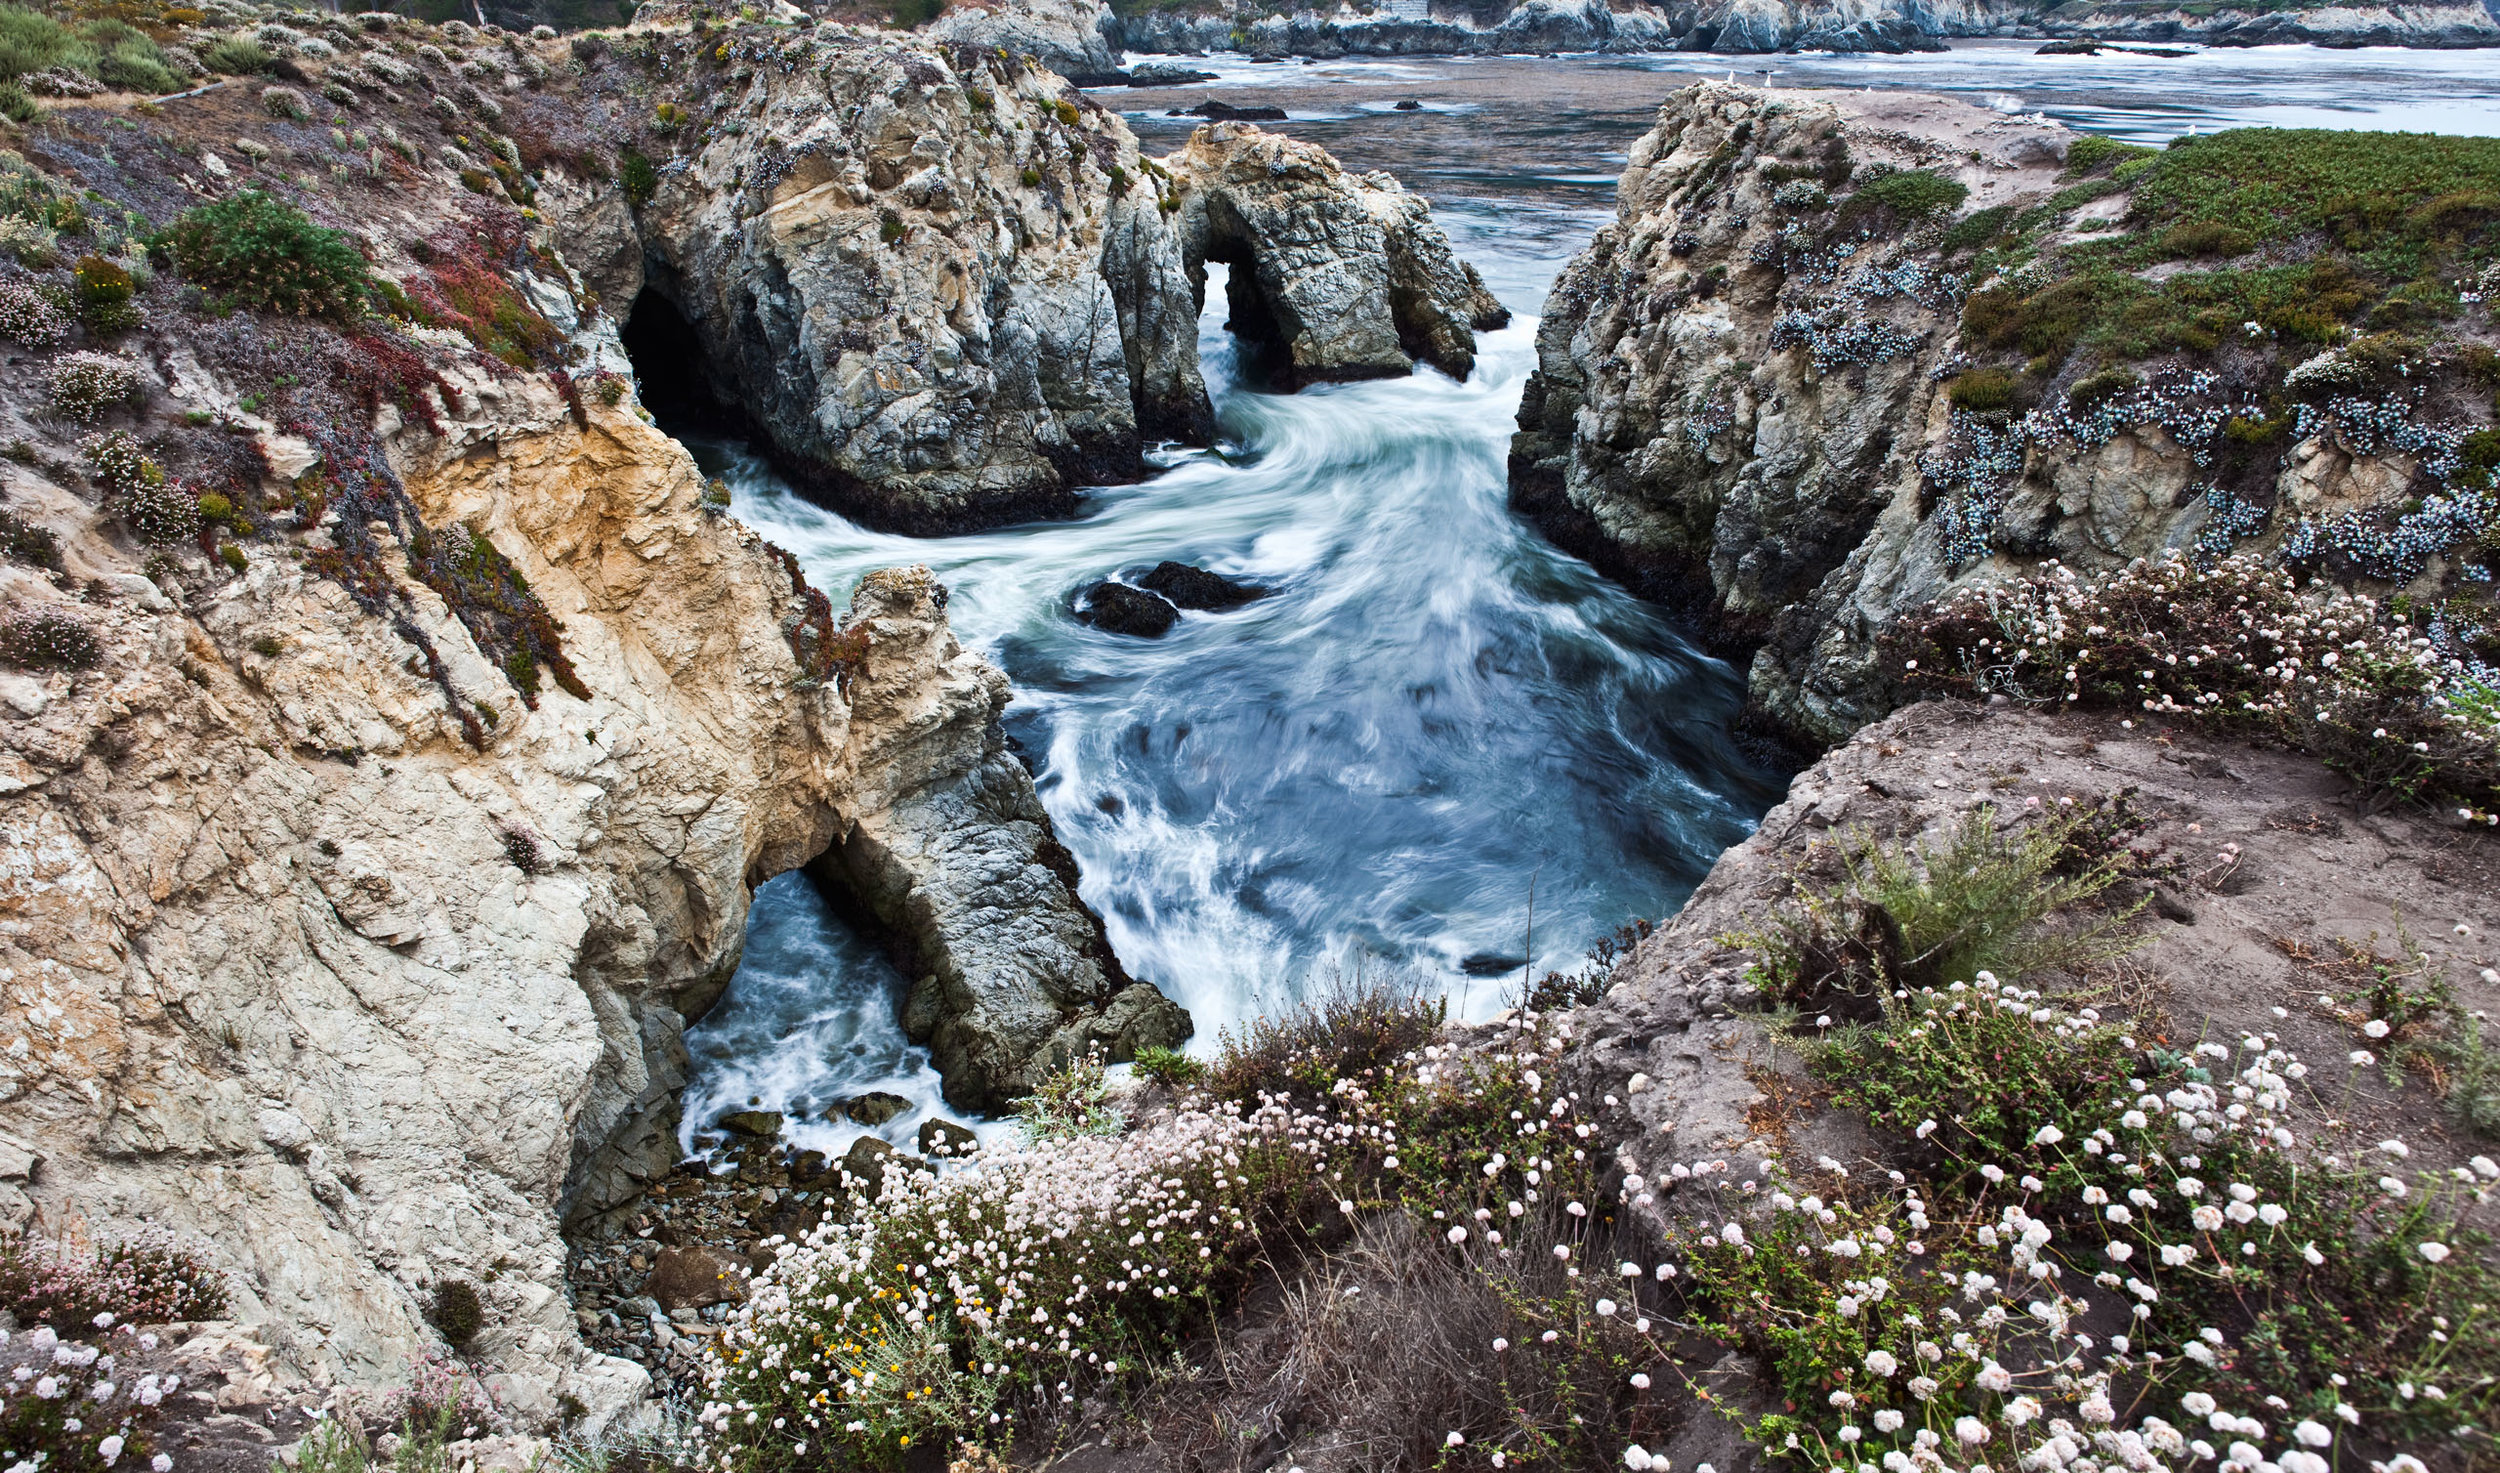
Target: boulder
(1120, 609)
(694, 1276)
(1196, 588)
(946, 1139)
(874, 1108)
(1345, 275)
(928, 342)
(762, 1125)
(1225, 112)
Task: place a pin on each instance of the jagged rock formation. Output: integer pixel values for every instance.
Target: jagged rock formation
(360, 882)
(947, 290)
(946, 297)
(1345, 276)
(1798, 411)
(1740, 27)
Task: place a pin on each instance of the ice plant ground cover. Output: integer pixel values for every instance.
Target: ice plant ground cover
(2401, 698)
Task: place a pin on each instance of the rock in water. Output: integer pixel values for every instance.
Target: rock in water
(692, 1277)
(1120, 609)
(1196, 588)
(1347, 275)
(874, 1108)
(762, 1125)
(1225, 112)
(946, 1139)
(1409, 105)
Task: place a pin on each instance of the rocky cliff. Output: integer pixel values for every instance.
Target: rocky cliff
(1840, 354)
(949, 291)
(1741, 27)
(1339, 276)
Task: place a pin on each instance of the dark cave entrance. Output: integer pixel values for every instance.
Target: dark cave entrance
(673, 372)
(1264, 356)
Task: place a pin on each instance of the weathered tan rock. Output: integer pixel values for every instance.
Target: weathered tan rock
(1346, 274)
(692, 1277)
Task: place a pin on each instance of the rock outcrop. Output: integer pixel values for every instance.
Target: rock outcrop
(946, 298)
(1065, 36)
(366, 853)
(1799, 386)
(948, 291)
(1345, 276)
(1271, 28)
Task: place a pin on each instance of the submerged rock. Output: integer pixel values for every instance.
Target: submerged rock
(874, 1108)
(1119, 609)
(1345, 275)
(1196, 588)
(761, 1125)
(1225, 112)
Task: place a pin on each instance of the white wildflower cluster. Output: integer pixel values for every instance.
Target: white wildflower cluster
(1006, 1288)
(2240, 642)
(2059, 1299)
(69, 1402)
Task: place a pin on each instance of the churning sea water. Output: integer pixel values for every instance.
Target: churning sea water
(1434, 714)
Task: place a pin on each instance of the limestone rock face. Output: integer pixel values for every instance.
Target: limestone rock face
(1742, 405)
(1346, 275)
(935, 278)
(293, 965)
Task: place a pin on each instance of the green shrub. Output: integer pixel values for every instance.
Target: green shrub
(1915, 916)
(1169, 1066)
(2101, 387)
(1978, 228)
(28, 543)
(1905, 194)
(457, 1312)
(911, 15)
(639, 178)
(2091, 154)
(890, 226)
(255, 250)
(16, 106)
(32, 42)
(237, 56)
(2204, 239)
(1073, 1101)
(133, 63)
(1355, 1026)
(1981, 389)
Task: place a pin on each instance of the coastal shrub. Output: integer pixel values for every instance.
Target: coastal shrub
(1981, 389)
(71, 1284)
(1072, 1101)
(129, 60)
(639, 178)
(84, 387)
(16, 105)
(252, 249)
(2204, 238)
(457, 1311)
(981, 1302)
(1916, 915)
(285, 102)
(28, 543)
(29, 315)
(1356, 1024)
(237, 56)
(2092, 153)
(2298, 1298)
(1905, 194)
(2237, 647)
(103, 289)
(1169, 1066)
(48, 639)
